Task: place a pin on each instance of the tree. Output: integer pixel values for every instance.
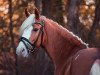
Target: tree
(74, 24)
(38, 4)
(96, 24)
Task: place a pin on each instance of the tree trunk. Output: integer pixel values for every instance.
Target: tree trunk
(96, 24)
(74, 24)
(38, 4)
(53, 9)
(57, 9)
(11, 34)
(47, 8)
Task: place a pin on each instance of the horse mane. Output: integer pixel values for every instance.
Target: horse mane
(70, 36)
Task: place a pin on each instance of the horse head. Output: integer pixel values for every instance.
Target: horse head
(31, 32)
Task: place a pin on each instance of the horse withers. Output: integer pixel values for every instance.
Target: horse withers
(70, 55)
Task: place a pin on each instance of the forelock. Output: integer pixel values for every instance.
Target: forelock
(27, 23)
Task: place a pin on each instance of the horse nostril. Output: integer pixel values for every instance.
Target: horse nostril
(23, 50)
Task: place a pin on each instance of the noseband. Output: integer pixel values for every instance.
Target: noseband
(29, 46)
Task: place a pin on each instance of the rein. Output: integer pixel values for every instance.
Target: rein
(29, 46)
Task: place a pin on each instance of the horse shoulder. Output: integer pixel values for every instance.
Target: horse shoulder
(83, 61)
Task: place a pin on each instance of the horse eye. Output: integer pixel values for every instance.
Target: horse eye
(35, 29)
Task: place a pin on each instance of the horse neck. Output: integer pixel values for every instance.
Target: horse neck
(59, 43)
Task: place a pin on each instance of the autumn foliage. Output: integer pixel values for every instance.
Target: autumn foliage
(79, 16)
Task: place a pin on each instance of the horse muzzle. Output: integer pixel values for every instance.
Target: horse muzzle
(21, 50)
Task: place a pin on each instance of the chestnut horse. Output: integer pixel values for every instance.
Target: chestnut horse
(70, 55)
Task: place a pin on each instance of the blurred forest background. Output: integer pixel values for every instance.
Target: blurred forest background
(82, 17)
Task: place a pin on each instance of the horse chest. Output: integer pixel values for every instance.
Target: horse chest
(64, 68)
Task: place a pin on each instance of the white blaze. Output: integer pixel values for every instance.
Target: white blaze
(25, 31)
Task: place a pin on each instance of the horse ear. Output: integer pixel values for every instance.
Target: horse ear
(26, 12)
(37, 15)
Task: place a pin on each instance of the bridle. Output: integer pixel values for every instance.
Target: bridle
(29, 46)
